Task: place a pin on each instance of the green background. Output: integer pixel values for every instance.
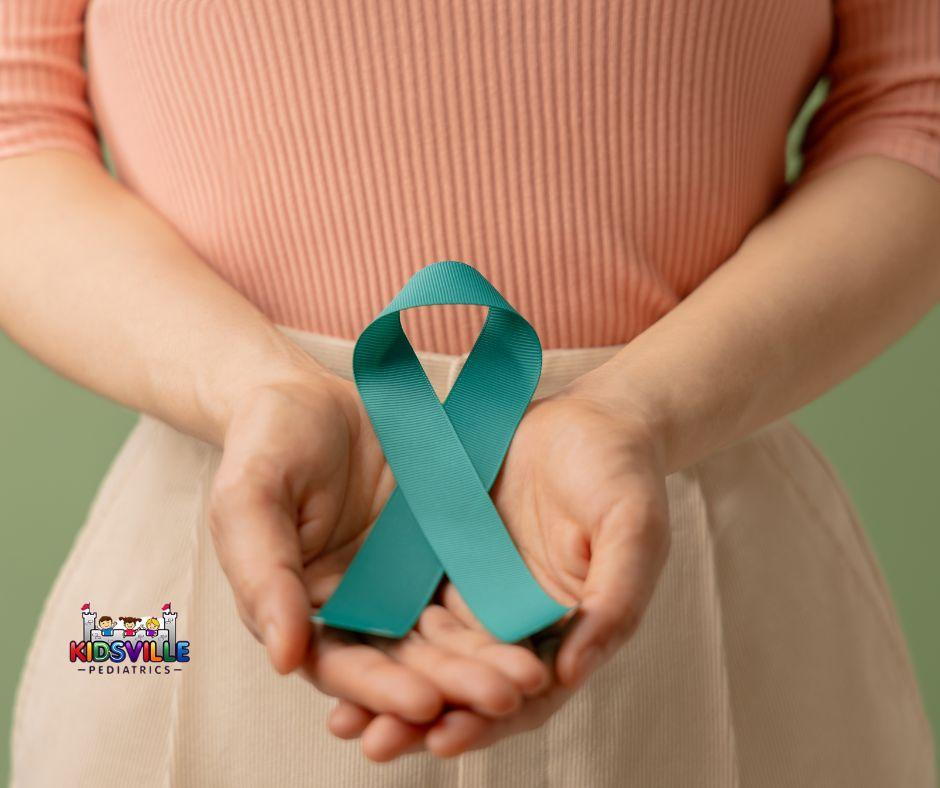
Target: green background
(880, 428)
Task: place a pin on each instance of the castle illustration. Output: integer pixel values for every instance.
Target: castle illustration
(121, 626)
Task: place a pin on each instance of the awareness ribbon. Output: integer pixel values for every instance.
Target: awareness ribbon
(445, 457)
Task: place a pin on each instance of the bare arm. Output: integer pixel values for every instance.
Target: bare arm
(101, 288)
(846, 266)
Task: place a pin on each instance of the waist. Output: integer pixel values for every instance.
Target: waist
(560, 366)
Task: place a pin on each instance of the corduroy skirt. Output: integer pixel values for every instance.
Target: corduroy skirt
(771, 653)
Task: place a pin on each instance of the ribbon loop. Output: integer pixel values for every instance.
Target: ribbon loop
(445, 457)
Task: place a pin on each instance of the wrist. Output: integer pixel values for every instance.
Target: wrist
(275, 362)
(636, 409)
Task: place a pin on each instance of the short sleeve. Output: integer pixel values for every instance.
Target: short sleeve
(43, 100)
(884, 77)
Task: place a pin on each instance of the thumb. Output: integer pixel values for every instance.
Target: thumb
(258, 547)
(628, 550)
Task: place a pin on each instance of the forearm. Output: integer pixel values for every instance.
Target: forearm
(102, 289)
(843, 268)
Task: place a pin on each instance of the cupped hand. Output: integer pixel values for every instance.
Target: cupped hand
(302, 476)
(582, 491)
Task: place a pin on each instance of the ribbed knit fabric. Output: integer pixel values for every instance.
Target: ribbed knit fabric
(595, 160)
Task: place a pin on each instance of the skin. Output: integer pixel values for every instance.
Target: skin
(198, 355)
(301, 477)
(846, 265)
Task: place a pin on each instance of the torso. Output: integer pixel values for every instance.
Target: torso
(595, 160)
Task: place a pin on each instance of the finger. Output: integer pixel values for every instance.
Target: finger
(323, 573)
(456, 732)
(256, 543)
(369, 678)
(449, 597)
(443, 629)
(388, 737)
(462, 680)
(347, 720)
(460, 731)
(627, 554)
(453, 601)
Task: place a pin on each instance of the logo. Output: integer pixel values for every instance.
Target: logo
(129, 644)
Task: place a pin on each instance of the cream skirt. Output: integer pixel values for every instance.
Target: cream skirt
(771, 654)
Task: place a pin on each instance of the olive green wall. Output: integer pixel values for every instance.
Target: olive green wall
(881, 429)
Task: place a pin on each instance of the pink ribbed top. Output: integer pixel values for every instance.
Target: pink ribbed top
(596, 160)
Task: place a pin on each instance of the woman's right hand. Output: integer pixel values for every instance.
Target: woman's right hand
(302, 477)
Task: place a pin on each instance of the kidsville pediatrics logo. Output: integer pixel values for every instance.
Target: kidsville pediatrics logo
(128, 644)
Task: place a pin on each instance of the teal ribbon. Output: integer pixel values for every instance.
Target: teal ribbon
(445, 457)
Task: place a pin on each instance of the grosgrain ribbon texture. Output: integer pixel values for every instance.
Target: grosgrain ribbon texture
(440, 518)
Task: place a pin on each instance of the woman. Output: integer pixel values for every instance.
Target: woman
(616, 170)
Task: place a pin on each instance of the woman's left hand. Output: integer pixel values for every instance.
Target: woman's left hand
(582, 491)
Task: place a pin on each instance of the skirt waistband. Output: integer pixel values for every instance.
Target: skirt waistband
(559, 365)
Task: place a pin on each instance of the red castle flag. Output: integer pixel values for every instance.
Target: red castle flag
(166, 606)
(86, 606)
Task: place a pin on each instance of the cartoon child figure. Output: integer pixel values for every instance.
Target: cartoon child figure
(106, 625)
(130, 625)
(152, 626)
